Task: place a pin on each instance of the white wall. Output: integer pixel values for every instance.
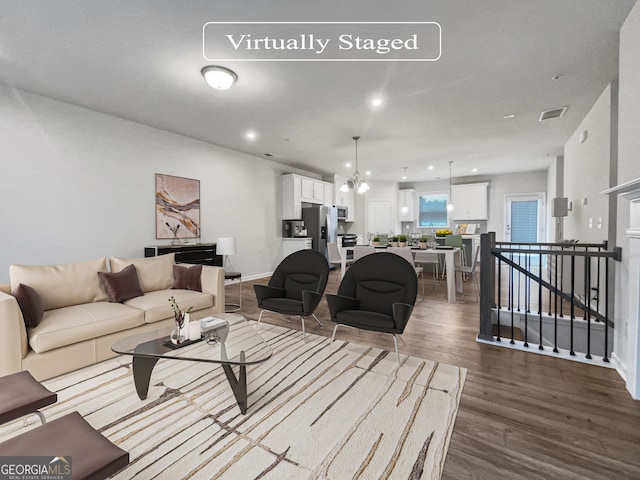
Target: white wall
(627, 331)
(586, 167)
(77, 184)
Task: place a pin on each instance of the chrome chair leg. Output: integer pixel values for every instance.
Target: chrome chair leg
(260, 318)
(395, 342)
(304, 331)
(316, 318)
(41, 415)
(333, 337)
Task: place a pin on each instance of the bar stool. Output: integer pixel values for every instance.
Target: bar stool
(231, 276)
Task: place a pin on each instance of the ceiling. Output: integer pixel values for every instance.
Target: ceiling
(141, 61)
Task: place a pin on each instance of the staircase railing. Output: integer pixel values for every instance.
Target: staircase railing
(535, 292)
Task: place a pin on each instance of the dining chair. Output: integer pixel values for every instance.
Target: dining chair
(360, 251)
(423, 259)
(471, 271)
(335, 257)
(405, 252)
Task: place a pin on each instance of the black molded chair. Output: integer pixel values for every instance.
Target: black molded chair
(377, 293)
(296, 287)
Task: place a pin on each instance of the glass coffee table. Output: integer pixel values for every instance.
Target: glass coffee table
(238, 344)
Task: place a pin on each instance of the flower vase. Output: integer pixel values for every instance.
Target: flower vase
(175, 240)
(184, 331)
(177, 335)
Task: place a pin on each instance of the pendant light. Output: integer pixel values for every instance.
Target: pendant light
(450, 204)
(404, 208)
(357, 183)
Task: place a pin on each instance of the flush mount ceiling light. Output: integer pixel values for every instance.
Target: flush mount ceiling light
(355, 182)
(220, 78)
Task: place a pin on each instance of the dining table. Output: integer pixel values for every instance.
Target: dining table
(452, 259)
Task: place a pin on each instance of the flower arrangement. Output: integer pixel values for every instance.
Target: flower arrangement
(179, 314)
(174, 228)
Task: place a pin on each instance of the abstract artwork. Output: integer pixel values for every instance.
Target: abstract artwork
(177, 207)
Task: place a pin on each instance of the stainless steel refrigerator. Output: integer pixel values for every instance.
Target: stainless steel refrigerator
(322, 225)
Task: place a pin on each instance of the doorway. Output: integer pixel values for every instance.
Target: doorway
(524, 218)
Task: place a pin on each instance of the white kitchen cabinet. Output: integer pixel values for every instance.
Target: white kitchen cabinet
(307, 192)
(328, 194)
(344, 199)
(291, 197)
(407, 205)
(291, 245)
(297, 189)
(470, 201)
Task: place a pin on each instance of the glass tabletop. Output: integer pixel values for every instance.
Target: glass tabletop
(237, 343)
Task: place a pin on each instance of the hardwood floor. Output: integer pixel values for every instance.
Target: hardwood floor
(522, 416)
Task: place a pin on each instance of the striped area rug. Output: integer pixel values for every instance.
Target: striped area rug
(316, 411)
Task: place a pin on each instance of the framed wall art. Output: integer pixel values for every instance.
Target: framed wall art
(177, 207)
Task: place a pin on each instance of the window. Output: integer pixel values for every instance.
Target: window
(432, 210)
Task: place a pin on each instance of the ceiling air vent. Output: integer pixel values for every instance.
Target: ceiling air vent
(552, 114)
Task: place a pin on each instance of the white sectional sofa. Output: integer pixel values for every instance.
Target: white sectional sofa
(80, 324)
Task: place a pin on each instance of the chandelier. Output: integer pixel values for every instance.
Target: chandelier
(355, 182)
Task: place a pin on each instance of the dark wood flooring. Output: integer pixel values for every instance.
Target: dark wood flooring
(522, 415)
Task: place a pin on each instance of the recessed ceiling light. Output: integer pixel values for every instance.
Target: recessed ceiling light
(474, 169)
(376, 102)
(507, 117)
(250, 135)
(348, 165)
(368, 172)
(430, 167)
(220, 78)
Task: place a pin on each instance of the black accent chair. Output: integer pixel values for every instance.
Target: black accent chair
(296, 287)
(377, 293)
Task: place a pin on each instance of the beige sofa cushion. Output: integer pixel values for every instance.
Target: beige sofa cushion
(68, 325)
(154, 273)
(62, 285)
(156, 305)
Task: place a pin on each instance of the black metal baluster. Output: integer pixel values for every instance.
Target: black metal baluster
(597, 289)
(540, 298)
(561, 277)
(555, 309)
(526, 303)
(548, 267)
(587, 293)
(588, 306)
(528, 284)
(511, 283)
(519, 275)
(573, 271)
(499, 294)
(606, 311)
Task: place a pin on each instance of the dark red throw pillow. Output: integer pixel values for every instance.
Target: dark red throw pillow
(187, 278)
(30, 303)
(122, 285)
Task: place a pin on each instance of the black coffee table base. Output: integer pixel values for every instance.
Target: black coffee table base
(143, 366)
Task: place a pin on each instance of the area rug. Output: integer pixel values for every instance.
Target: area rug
(316, 411)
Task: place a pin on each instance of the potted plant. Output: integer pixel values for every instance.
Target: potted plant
(394, 241)
(376, 241)
(423, 242)
(402, 240)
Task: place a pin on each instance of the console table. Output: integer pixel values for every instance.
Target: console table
(203, 253)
